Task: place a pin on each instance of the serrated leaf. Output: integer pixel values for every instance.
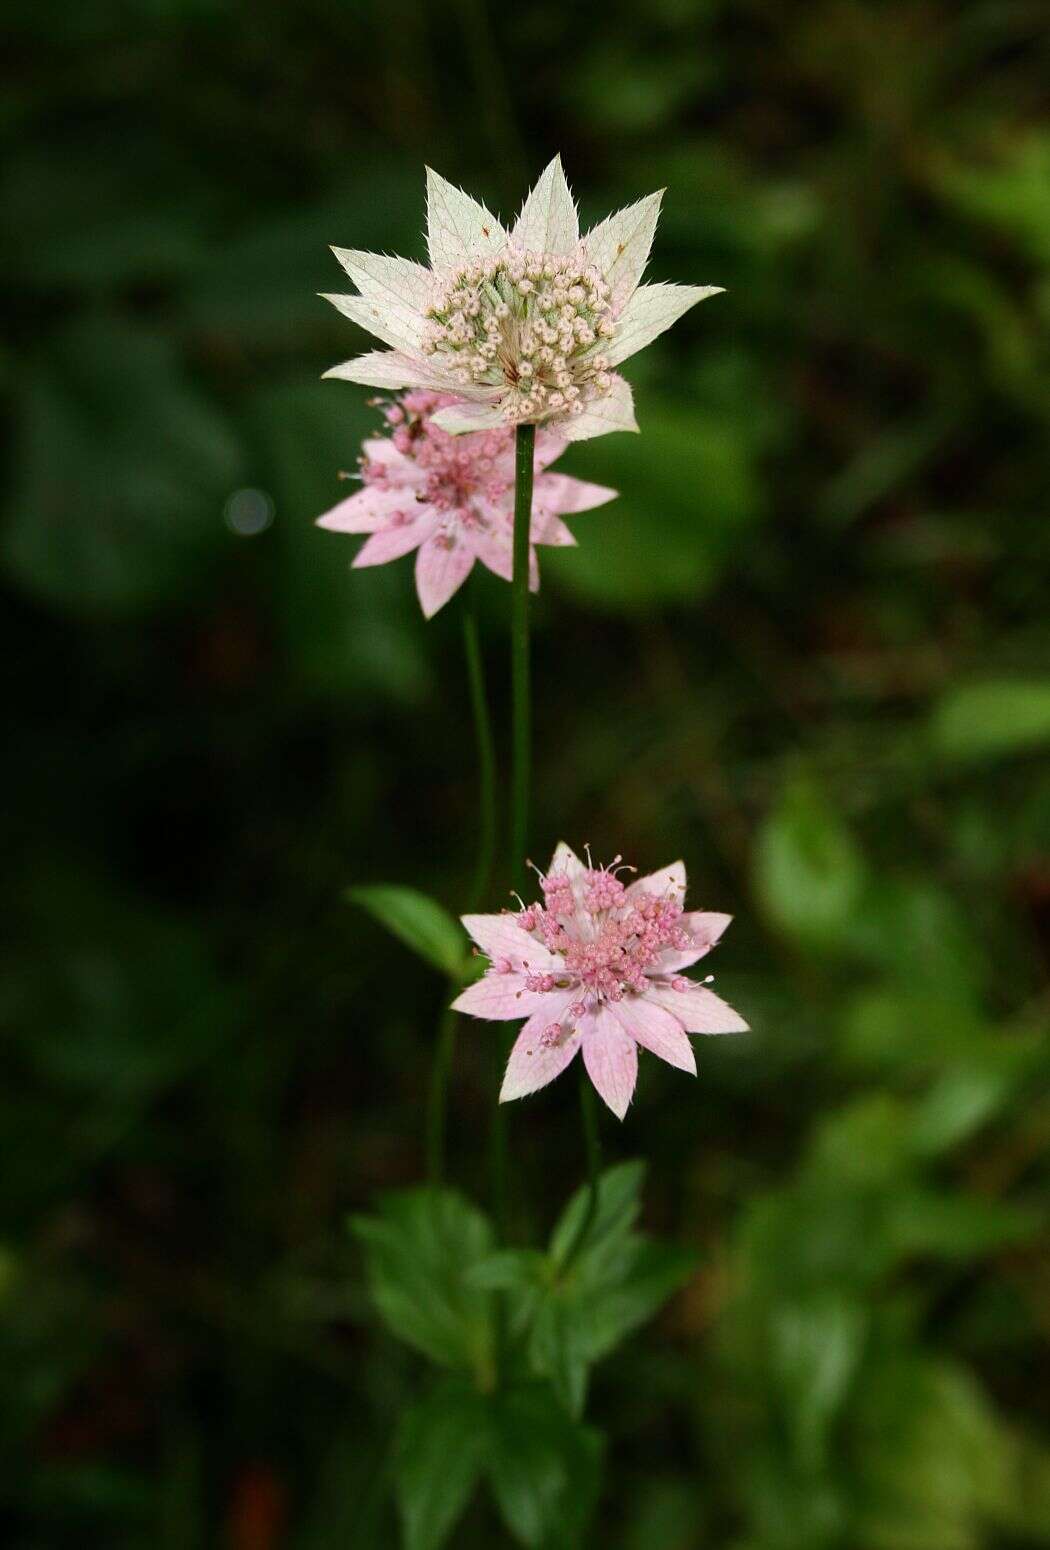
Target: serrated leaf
(649, 1274)
(419, 1248)
(619, 1201)
(543, 1468)
(420, 922)
(578, 1310)
(557, 1347)
(441, 1447)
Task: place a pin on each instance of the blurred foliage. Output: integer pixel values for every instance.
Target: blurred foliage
(807, 650)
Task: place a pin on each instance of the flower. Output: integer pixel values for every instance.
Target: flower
(451, 498)
(524, 326)
(598, 966)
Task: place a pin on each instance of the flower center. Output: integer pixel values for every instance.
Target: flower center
(533, 324)
(607, 942)
(456, 469)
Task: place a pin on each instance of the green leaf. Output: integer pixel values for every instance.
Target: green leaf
(557, 1346)
(120, 472)
(962, 1100)
(577, 1314)
(420, 922)
(619, 1201)
(543, 1468)
(992, 720)
(1009, 193)
(441, 1448)
(956, 1226)
(866, 1142)
(934, 1460)
(816, 1346)
(688, 495)
(648, 1274)
(923, 939)
(509, 1270)
(419, 1249)
(809, 873)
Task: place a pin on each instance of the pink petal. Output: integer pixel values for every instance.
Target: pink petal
(441, 567)
(363, 512)
(549, 447)
(390, 543)
(559, 492)
(611, 1058)
(500, 936)
(670, 880)
(381, 451)
(566, 860)
(655, 1030)
(533, 1064)
(697, 1009)
(551, 530)
(500, 997)
(705, 928)
(495, 552)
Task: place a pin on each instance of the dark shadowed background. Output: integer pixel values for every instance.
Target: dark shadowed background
(807, 650)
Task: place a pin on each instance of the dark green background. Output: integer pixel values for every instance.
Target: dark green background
(807, 650)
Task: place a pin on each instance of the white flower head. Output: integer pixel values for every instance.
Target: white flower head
(525, 326)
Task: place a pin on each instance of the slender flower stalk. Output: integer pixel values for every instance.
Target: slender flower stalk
(438, 1100)
(486, 828)
(486, 752)
(521, 742)
(520, 674)
(593, 1149)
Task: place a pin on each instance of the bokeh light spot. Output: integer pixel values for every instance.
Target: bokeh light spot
(248, 512)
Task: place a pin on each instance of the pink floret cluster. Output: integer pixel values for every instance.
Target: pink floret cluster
(450, 499)
(595, 966)
(455, 468)
(608, 944)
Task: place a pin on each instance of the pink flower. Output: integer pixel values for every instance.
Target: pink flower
(451, 499)
(598, 966)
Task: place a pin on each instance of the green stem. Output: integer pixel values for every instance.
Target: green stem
(593, 1147)
(438, 1102)
(520, 758)
(486, 751)
(520, 689)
